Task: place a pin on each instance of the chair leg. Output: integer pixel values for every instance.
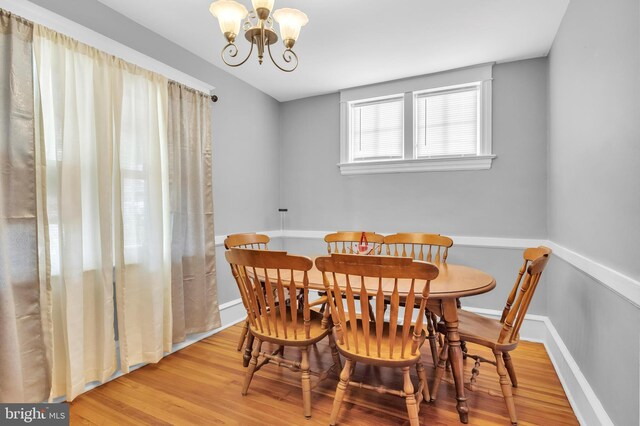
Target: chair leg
(505, 384)
(412, 407)
(340, 391)
(247, 350)
(306, 382)
(432, 340)
(243, 334)
(252, 367)
(510, 369)
(442, 362)
(422, 375)
(334, 352)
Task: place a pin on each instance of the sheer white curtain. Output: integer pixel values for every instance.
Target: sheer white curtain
(142, 237)
(103, 131)
(76, 99)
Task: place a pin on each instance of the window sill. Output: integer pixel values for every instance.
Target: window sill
(441, 164)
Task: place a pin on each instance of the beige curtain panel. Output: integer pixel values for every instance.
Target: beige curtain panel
(193, 266)
(24, 371)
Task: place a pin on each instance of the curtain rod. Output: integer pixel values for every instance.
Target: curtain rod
(214, 98)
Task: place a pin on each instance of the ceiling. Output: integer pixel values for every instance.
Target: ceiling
(350, 43)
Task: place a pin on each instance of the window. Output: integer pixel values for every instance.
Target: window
(377, 129)
(448, 122)
(436, 122)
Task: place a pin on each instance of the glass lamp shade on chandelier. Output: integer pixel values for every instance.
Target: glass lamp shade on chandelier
(258, 30)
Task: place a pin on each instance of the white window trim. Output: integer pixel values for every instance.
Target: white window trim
(434, 164)
(411, 87)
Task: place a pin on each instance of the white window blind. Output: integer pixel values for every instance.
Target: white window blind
(448, 122)
(377, 129)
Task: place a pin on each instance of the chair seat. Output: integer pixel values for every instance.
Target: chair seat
(484, 331)
(358, 352)
(295, 335)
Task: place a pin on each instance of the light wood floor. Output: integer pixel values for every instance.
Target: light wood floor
(200, 385)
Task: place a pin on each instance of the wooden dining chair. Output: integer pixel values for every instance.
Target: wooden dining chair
(429, 248)
(279, 320)
(419, 246)
(247, 240)
(501, 336)
(373, 341)
(346, 242)
(250, 241)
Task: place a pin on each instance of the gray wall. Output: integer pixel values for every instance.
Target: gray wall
(509, 200)
(594, 192)
(594, 133)
(246, 129)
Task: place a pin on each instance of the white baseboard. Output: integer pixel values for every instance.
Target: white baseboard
(231, 313)
(583, 400)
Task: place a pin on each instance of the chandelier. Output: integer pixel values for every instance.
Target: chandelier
(258, 30)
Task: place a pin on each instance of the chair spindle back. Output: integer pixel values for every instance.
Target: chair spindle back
(365, 276)
(535, 260)
(419, 246)
(266, 302)
(346, 242)
(248, 240)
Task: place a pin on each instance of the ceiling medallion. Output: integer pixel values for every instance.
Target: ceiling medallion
(258, 29)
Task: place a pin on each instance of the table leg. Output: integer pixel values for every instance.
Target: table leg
(450, 314)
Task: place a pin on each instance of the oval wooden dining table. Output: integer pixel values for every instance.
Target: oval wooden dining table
(453, 282)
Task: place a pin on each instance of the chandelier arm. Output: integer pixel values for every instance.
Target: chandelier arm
(288, 55)
(232, 50)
